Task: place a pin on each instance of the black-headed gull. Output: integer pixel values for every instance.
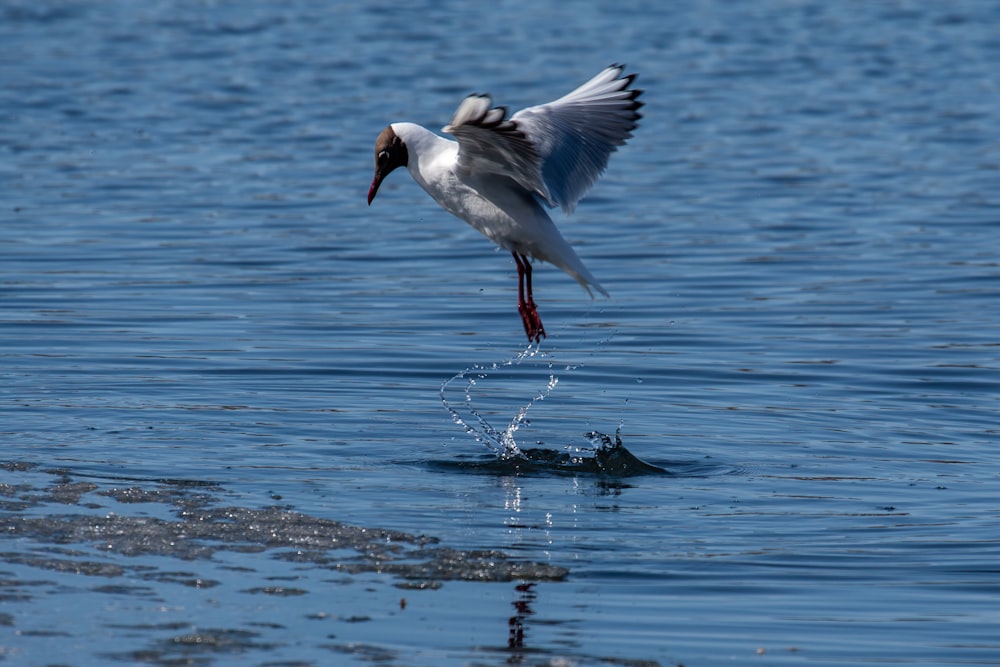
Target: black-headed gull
(500, 171)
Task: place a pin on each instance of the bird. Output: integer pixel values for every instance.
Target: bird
(500, 173)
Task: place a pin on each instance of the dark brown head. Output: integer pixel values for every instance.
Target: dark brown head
(390, 152)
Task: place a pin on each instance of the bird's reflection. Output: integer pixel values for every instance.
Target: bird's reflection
(515, 625)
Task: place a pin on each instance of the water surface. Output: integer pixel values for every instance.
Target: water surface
(202, 323)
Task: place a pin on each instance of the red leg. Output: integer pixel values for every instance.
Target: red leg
(520, 285)
(526, 306)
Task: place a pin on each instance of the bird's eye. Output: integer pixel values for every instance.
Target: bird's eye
(383, 157)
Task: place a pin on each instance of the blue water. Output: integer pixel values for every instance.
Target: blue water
(802, 243)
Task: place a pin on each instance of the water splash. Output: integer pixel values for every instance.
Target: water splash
(501, 442)
(604, 456)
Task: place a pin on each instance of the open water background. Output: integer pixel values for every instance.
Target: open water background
(802, 243)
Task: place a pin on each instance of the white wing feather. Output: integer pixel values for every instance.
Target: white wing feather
(555, 150)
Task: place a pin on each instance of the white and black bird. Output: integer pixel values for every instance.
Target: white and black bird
(501, 171)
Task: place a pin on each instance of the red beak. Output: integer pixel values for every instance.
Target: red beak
(373, 190)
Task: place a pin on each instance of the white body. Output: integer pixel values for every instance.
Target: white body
(497, 206)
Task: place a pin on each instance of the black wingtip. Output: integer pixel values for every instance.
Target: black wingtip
(627, 81)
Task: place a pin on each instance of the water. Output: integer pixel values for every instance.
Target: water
(217, 361)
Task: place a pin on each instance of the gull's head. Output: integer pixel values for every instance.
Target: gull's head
(390, 152)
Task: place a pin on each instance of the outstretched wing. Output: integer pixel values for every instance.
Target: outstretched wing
(555, 150)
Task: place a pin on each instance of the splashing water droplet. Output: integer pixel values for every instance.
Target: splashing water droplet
(502, 443)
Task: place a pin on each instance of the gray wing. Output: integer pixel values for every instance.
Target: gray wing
(555, 150)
